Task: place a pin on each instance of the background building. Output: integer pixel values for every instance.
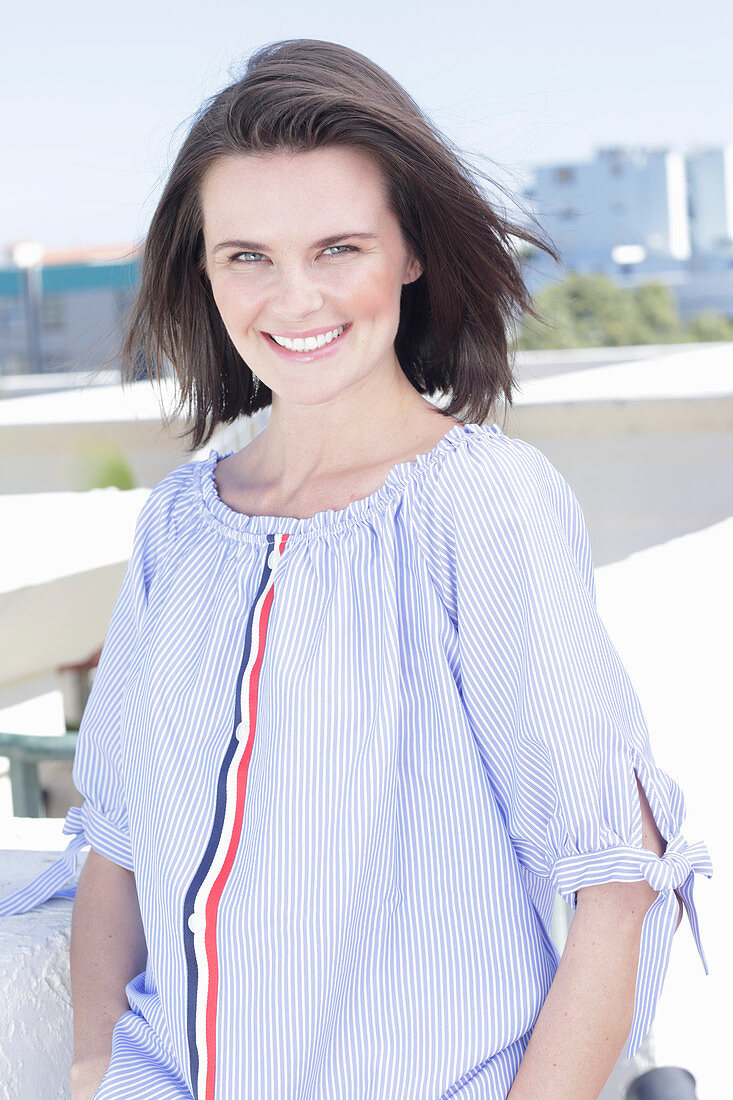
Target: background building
(710, 178)
(63, 311)
(636, 214)
(625, 197)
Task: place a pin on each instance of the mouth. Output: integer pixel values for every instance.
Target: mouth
(307, 345)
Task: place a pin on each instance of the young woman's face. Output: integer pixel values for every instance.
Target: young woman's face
(303, 247)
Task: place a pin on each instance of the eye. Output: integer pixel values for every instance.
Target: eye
(255, 257)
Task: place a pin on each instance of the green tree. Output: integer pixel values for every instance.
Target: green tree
(108, 467)
(709, 326)
(658, 314)
(583, 311)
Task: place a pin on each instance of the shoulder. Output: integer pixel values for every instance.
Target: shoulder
(494, 478)
(179, 481)
(171, 504)
(499, 498)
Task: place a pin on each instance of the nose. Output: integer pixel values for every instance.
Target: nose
(296, 295)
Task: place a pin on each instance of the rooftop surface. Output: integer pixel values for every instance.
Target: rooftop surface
(698, 373)
(702, 372)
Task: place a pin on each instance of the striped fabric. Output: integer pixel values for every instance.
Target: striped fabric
(351, 759)
(204, 894)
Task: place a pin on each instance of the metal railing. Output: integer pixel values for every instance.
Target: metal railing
(25, 752)
(663, 1083)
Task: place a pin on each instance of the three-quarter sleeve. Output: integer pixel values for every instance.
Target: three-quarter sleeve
(98, 773)
(554, 715)
(98, 770)
(98, 764)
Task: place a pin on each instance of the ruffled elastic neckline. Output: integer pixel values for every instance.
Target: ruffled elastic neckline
(357, 511)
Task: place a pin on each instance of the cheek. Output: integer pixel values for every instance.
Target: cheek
(236, 303)
(377, 294)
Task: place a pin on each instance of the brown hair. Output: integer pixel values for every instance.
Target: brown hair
(304, 94)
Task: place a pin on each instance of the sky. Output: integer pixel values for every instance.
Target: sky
(96, 98)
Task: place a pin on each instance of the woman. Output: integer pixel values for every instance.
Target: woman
(356, 720)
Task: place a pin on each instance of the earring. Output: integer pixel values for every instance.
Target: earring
(256, 385)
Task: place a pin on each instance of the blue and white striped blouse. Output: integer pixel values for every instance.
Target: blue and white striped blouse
(351, 759)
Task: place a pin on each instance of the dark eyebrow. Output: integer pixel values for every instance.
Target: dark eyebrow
(252, 246)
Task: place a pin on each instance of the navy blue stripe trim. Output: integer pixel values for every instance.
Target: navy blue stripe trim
(215, 835)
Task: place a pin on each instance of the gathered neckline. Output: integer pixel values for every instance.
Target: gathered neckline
(258, 527)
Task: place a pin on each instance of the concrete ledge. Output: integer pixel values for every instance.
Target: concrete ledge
(35, 1006)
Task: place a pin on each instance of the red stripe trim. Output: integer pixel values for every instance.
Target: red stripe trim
(217, 889)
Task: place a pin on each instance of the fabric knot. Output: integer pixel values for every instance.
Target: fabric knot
(73, 825)
(51, 882)
(670, 870)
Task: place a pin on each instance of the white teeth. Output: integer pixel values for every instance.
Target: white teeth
(309, 343)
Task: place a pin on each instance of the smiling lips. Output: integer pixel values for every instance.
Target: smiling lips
(308, 343)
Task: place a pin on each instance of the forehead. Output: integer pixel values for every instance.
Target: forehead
(280, 191)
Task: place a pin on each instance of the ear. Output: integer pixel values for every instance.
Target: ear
(413, 272)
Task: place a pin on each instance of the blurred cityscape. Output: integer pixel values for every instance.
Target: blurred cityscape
(632, 215)
(637, 214)
(64, 310)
